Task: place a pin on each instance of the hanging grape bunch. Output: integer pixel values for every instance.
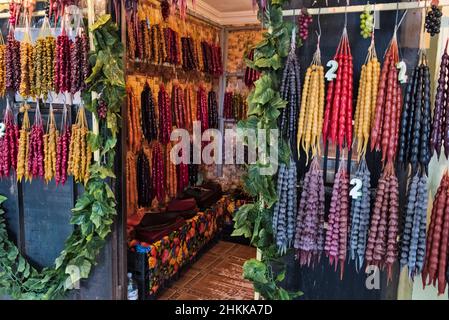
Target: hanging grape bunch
(366, 22)
(304, 21)
(102, 109)
(433, 20)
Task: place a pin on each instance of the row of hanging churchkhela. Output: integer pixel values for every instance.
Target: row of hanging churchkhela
(397, 124)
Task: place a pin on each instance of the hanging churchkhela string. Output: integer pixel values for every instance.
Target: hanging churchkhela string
(144, 193)
(414, 138)
(381, 248)
(2, 66)
(24, 147)
(178, 104)
(338, 222)
(366, 99)
(80, 155)
(35, 160)
(337, 126)
(44, 58)
(165, 115)
(148, 116)
(284, 211)
(360, 215)
(309, 239)
(440, 123)
(310, 120)
(202, 112)
(9, 143)
(62, 62)
(50, 146)
(62, 150)
(212, 111)
(413, 238)
(12, 58)
(436, 268)
(386, 118)
(26, 63)
(290, 92)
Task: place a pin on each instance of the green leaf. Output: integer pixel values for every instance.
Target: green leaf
(281, 276)
(2, 199)
(85, 269)
(21, 266)
(60, 260)
(283, 294)
(13, 253)
(100, 22)
(94, 141)
(255, 270)
(109, 145)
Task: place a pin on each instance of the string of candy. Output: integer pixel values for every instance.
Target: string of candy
(212, 109)
(366, 100)
(12, 57)
(148, 116)
(337, 126)
(165, 115)
(44, 55)
(171, 178)
(144, 193)
(202, 114)
(62, 63)
(50, 146)
(251, 75)
(386, 118)
(2, 67)
(436, 264)
(440, 122)
(9, 143)
(309, 239)
(24, 146)
(284, 211)
(290, 92)
(360, 216)
(80, 154)
(63, 150)
(178, 106)
(414, 138)
(135, 135)
(35, 160)
(157, 172)
(413, 238)
(132, 190)
(310, 119)
(381, 248)
(336, 242)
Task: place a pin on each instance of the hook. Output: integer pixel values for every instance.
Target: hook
(397, 14)
(346, 13)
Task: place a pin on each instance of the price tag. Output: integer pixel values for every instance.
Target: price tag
(2, 129)
(330, 74)
(402, 76)
(356, 192)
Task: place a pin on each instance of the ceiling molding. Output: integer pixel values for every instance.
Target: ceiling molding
(225, 18)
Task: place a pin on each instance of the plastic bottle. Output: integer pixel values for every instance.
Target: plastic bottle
(133, 292)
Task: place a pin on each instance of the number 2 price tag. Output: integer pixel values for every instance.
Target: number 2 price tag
(330, 74)
(2, 129)
(402, 76)
(356, 192)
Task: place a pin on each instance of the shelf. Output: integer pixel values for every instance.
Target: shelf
(238, 74)
(392, 6)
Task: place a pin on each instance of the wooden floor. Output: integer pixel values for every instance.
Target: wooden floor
(217, 275)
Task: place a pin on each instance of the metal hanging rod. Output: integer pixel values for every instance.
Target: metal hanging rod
(392, 6)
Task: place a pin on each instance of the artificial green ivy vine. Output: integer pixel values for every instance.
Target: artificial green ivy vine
(94, 211)
(264, 103)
